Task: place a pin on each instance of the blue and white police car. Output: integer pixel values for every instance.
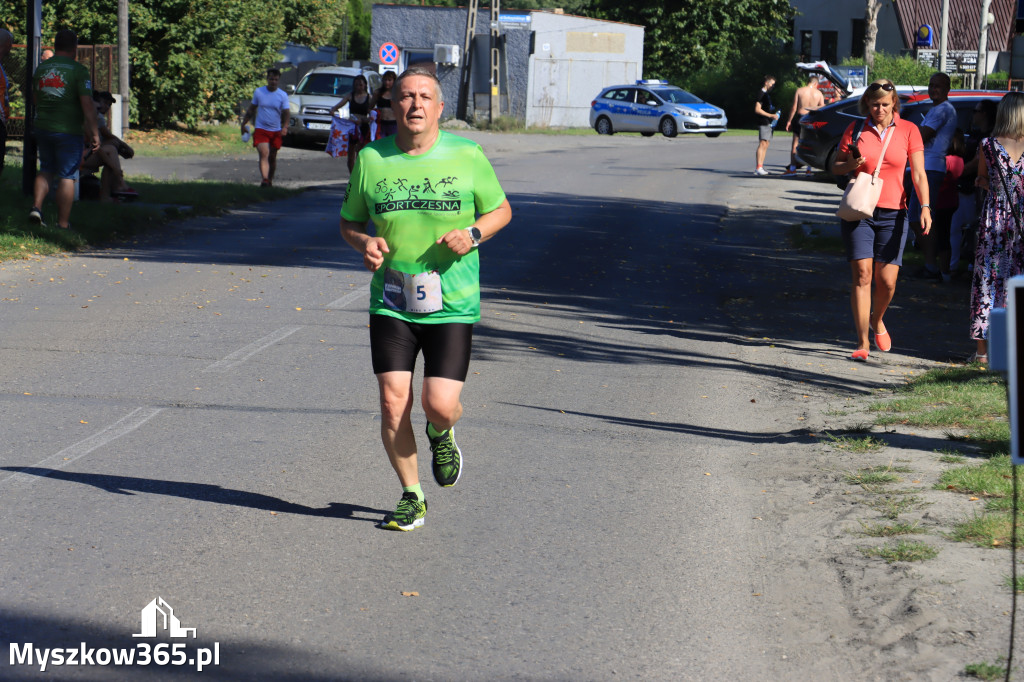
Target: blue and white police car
(654, 106)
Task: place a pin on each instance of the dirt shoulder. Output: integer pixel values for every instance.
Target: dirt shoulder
(838, 609)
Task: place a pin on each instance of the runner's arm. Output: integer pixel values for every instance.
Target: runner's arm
(372, 248)
(489, 224)
(249, 114)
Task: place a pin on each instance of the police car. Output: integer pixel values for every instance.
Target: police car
(654, 106)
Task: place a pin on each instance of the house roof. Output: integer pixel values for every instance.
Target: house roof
(964, 22)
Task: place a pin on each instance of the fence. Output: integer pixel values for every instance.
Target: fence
(101, 60)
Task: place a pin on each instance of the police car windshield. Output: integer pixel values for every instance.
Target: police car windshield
(330, 84)
(677, 96)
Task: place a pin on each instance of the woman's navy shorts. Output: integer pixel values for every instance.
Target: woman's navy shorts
(880, 237)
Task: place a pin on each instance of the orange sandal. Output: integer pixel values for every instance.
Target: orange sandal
(860, 355)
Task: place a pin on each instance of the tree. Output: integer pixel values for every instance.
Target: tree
(685, 37)
(192, 60)
(871, 31)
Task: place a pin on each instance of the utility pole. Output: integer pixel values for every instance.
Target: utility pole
(981, 69)
(123, 79)
(33, 35)
(495, 60)
(943, 29)
(467, 61)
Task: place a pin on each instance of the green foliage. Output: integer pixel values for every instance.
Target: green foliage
(192, 60)
(900, 70)
(684, 38)
(358, 26)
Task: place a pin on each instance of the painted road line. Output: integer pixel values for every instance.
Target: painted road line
(353, 295)
(243, 354)
(122, 427)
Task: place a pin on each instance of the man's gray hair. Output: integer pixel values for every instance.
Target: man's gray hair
(420, 71)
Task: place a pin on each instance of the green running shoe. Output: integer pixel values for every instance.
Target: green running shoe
(447, 463)
(408, 515)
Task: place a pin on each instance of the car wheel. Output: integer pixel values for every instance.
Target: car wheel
(668, 127)
(712, 134)
(647, 134)
(604, 126)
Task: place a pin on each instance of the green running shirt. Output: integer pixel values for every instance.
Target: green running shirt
(413, 201)
(59, 83)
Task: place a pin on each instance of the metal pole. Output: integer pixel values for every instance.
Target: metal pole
(981, 70)
(33, 34)
(467, 62)
(123, 77)
(943, 28)
(495, 61)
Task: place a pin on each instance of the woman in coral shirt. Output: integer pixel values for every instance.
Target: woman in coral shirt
(874, 246)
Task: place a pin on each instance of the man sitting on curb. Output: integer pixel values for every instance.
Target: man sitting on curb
(112, 148)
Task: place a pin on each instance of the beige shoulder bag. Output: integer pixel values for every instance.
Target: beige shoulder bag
(861, 195)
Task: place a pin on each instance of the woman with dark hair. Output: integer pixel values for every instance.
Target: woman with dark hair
(359, 104)
(382, 97)
(1000, 251)
(874, 246)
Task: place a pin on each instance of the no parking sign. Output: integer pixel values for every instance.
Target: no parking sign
(388, 53)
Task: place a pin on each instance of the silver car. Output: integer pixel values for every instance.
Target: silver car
(317, 92)
(653, 106)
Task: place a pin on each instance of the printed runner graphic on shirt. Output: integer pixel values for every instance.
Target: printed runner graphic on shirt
(402, 194)
(53, 83)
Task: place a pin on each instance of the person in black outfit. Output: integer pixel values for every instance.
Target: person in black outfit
(382, 98)
(359, 102)
(767, 117)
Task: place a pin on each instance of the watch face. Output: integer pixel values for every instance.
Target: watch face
(475, 233)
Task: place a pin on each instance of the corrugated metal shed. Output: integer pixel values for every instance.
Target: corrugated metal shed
(964, 22)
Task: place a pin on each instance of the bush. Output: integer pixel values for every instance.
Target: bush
(733, 85)
(899, 69)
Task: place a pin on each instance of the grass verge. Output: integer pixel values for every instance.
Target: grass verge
(903, 550)
(95, 223)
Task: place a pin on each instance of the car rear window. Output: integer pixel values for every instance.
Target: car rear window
(326, 84)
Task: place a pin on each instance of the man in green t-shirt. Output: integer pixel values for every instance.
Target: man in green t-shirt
(62, 92)
(433, 198)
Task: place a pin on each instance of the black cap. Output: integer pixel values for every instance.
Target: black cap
(103, 95)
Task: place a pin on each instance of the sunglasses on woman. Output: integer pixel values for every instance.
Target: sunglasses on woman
(888, 87)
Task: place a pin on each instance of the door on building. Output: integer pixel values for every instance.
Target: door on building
(420, 57)
(830, 46)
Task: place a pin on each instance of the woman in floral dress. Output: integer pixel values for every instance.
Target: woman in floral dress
(1000, 252)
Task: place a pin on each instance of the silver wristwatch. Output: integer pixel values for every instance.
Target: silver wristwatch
(474, 234)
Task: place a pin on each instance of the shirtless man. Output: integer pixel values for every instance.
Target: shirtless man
(806, 99)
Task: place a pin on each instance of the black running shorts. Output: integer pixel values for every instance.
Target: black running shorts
(394, 345)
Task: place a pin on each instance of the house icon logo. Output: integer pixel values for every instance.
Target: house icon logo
(158, 614)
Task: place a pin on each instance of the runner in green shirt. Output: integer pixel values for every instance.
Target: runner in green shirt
(433, 198)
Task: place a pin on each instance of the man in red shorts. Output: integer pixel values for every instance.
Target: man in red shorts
(270, 113)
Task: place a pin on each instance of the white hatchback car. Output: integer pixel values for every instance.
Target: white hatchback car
(317, 92)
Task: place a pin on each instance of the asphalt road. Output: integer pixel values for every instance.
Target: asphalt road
(193, 417)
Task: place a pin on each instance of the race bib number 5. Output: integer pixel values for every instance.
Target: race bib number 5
(419, 293)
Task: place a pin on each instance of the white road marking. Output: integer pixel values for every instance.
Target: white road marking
(246, 352)
(361, 292)
(123, 426)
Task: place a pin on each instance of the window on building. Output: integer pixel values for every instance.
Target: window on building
(830, 46)
(423, 58)
(806, 45)
(857, 42)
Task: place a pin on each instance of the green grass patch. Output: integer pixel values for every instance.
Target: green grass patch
(990, 478)
(962, 398)
(902, 550)
(989, 529)
(878, 475)
(886, 530)
(96, 223)
(1017, 585)
(852, 444)
(985, 671)
(207, 140)
(892, 504)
